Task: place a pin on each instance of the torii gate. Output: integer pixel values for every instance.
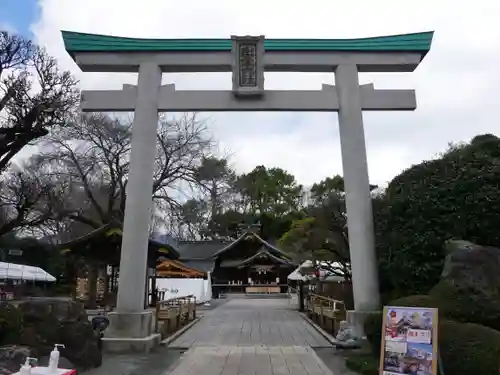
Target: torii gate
(247, 58)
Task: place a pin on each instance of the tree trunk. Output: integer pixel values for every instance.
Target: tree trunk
(92, 273)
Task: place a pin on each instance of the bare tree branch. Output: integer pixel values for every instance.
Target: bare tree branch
(34, 96)
(92, 153)
(28, 198)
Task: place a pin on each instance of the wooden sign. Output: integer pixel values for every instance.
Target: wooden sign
(409, 341)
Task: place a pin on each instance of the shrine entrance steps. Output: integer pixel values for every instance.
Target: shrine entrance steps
(251, 336)
(254, 295)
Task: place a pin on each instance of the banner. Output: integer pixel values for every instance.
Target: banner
(409, 341)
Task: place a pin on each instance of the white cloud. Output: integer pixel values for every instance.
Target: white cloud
(455, 84)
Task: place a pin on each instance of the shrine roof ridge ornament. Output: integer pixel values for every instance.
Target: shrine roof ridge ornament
(76, 42)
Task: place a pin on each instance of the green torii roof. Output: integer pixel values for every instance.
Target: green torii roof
(80, 42)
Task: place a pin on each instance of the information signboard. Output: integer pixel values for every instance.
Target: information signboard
(409, 341)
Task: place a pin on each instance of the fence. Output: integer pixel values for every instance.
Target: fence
(173, 313)
(325, 311)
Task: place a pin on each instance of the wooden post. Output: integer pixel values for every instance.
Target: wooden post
(322, 319)
(157, 316)
(154, 296)
(301, 296)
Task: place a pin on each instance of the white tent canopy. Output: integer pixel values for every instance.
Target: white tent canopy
(324, 274)
(296, 276)
(14, 271)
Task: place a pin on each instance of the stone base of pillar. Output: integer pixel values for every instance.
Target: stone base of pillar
(356, 320)
(130, 333)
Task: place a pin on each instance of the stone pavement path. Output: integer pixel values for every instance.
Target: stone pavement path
(251, 337)
(250, 360)
(271, 322)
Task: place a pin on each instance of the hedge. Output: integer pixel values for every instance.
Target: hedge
(468, 348)
(467, 305)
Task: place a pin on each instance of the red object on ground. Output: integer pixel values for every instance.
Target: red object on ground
(36, 370)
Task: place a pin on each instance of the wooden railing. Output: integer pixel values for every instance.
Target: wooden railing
(325, 311)
(171, 314)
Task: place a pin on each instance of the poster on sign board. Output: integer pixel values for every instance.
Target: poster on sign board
(409, 341)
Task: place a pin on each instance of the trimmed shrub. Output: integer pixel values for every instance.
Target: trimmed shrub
(11, 323)
(465, 304)
(363, 364)
(468, 348)
(417, 300)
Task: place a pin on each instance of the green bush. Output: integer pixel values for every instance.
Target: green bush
(373, 331)
(364, 364)
(465, 304)
(453, 196)
(468, 348)
(11, 323)
(417, 300)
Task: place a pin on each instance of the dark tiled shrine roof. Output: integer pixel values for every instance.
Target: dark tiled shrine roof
(203, 265)
(114, 229)
(201, 254)
(191, 250)
(260, 254)
(244, 236)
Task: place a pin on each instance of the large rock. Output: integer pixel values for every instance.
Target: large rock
(12, 357)
(35, 310)
(53, 321)
(469, 264)
(469, 289)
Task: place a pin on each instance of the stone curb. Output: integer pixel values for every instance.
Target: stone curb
(320, 330)
(175, 335)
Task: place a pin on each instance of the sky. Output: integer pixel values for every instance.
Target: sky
(455, 84)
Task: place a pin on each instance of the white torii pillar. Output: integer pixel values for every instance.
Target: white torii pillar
(131, 320)
(357, 190)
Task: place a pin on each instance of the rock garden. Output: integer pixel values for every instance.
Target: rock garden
(31, 328)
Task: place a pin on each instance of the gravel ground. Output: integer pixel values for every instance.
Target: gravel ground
(154, 363)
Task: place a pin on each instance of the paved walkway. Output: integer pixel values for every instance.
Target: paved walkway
(251, 337)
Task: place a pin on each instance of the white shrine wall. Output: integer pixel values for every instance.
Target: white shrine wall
(182, 287)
